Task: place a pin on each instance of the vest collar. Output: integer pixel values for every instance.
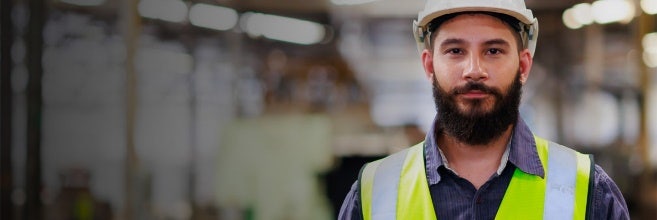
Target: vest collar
(523, 150)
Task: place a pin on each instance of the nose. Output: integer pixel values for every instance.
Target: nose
(474, 70)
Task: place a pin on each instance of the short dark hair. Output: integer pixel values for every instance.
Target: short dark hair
(511, 22)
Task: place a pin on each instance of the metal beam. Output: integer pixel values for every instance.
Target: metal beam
(33, 209)
(6, 63)
(646, 208)
(131, 26)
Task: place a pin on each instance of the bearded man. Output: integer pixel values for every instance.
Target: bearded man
(480, 160)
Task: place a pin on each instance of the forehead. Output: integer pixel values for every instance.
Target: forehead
(474, 26)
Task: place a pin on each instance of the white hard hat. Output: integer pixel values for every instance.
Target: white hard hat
(514, 8)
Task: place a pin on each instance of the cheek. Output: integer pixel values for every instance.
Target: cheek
(449, 68)
(446, 76)
(443, 81)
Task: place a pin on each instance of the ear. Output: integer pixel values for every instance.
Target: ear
(525, 65)
(427, 63)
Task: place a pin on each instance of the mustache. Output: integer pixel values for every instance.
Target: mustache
(470, 86)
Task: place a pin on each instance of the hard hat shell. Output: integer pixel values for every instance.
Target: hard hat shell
(514, 8)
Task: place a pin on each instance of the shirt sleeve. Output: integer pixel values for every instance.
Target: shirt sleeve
(608, 202)
(350, 209)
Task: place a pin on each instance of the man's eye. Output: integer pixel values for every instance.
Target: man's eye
(494, 51)
(454, 51)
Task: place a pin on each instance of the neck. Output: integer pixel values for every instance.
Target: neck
(476, 163)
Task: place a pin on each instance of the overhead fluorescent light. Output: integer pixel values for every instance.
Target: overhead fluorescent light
(650, 59)
(213, 17)
(649, 6)
(569, 20)
(166, 10)
(284, 28)
(649, 42)
(582, 13)
(84, 2)
(609, 11)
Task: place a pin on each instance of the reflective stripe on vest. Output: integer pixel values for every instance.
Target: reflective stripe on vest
(396, 187)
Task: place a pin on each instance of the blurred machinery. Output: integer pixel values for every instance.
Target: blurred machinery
(75, 200)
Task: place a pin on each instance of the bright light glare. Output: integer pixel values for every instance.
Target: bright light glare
(569, 19)
(244, 23)
(649, 6)
(167, 10)
(582, 13)
(284, 29)
(84, 2)
(214, 17)
(608, 11)
(649, 42)
(650, 59)
(350, 2)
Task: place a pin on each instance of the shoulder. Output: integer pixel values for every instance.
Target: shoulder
(608, 201)
(350, 209)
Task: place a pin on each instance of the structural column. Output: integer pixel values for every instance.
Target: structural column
(130, 28)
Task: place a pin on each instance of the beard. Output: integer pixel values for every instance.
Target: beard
(475, 125)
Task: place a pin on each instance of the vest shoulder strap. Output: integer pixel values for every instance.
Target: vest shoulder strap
(562, 194)
(382, 198)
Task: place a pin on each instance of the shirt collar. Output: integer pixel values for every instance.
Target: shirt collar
(503, 160)
(521, 152)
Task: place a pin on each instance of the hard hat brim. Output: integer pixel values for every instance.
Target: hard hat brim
(423, 20)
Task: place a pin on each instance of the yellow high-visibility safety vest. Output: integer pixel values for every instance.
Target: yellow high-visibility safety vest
(396, 187)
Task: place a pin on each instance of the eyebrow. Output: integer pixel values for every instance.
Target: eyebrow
(496, 41)
(449, 41)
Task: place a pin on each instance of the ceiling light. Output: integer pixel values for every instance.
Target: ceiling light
(649, 42)
(650, 59)
(167, 10)
(608, 11)
(284, 28)
(582, 13)
(213, 17)
(649, 6)
(569, 19)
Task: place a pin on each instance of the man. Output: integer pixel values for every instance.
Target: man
(480, 160)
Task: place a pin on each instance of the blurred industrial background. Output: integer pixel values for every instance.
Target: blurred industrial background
(266, 109)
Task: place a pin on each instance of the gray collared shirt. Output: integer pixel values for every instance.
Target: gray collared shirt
(456, 198)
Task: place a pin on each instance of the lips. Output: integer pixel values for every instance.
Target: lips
(473, 87)
(475, 94)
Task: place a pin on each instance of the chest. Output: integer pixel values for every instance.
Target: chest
(456, 198)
